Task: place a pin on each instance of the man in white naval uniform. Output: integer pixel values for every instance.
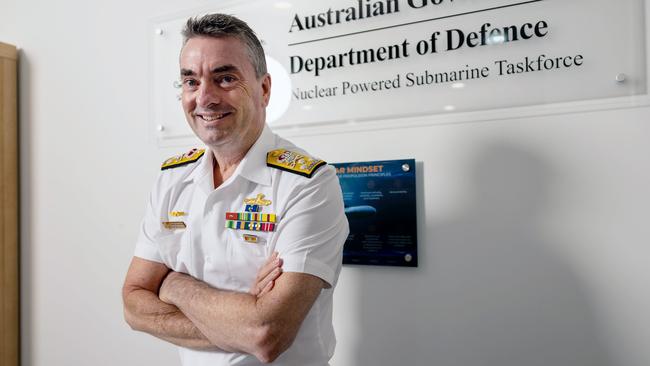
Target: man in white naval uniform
(241, 244)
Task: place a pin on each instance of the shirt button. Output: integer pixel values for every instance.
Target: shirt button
(208, 259)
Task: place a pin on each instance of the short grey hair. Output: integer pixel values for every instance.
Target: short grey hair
(223, 25)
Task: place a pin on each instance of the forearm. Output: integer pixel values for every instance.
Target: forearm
(238, 322)
(229, 320)
(145, 312)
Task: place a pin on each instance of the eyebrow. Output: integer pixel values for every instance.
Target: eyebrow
(224, 68)
(216, 70)
(187, 72)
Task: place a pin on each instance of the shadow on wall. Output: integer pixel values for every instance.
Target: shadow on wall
(489, 291)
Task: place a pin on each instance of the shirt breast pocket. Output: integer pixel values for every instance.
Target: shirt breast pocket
(247, 254)
(249, 244)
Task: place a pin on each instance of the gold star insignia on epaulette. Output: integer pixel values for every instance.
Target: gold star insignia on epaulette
(180, 160)
(293, 162)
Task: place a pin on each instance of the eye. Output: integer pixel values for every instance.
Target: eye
(190, 83)
(226, 80)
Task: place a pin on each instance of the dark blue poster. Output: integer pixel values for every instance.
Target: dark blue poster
(379, 198)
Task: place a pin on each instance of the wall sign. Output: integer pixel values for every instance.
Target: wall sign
(379, 198)
(348, 60)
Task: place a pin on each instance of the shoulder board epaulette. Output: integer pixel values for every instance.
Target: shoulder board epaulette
(293, 162)
(180, 160)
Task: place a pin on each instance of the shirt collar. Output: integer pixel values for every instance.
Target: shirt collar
(252, 167)
(203, 170)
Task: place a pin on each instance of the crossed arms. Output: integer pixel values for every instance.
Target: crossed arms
(190, 313)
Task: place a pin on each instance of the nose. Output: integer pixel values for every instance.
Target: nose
(207, 95)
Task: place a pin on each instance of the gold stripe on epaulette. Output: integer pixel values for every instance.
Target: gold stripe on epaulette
(293, 162)
(189, 157)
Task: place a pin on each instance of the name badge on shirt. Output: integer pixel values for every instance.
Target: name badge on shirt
(171, 225)
(251, 238)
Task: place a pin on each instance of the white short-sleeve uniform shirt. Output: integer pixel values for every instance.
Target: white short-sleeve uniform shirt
(309, 233)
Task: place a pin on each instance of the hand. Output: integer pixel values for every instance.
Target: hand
(166, 288)
(267, 275)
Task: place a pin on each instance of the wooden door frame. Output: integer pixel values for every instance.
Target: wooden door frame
(9, 247)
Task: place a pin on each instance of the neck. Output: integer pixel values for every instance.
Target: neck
(225, 159)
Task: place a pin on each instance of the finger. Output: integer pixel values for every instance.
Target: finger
(271, 277)
(268, 265)
(272, 263)
(264, 272)
(266, 289)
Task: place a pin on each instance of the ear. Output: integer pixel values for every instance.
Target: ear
(266, 89)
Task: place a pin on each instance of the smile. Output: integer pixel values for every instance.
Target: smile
(212, 117)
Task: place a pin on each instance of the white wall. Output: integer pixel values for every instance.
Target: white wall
(533, 231)
(533, 246)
